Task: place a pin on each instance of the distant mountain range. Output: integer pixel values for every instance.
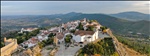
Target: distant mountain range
(117, 24)
(134, 16)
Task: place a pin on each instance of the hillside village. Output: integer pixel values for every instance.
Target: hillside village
(62, 31)
(64, 40)
(79, 31)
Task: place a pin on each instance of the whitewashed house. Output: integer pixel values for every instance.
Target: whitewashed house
(42, 37)
(31, 42)
(85, 36)
(27, 29)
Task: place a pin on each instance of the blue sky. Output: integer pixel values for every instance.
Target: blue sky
(57, 7)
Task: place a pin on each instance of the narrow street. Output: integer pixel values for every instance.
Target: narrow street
(70, 51)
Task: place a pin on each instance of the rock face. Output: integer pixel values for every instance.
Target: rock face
(28, 51)
(35, 51)
(52, 53)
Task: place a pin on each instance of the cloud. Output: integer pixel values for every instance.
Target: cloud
(56, 7)
(141, 3)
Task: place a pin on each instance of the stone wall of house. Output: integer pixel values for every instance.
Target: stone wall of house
(8, 49)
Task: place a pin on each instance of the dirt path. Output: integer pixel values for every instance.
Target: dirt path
(70, 51)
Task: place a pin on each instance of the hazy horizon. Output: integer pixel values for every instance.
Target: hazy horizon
(63, 7)
(70, 12)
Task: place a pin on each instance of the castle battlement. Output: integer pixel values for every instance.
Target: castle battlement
(9, 48)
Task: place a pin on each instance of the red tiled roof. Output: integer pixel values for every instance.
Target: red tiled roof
(34, 39)
(81, 32)
(60, 36)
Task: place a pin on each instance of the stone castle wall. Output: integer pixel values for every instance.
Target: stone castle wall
(8, 49)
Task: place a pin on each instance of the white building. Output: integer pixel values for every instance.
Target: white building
(85, 36)
(27, 29)
(31, 42)
(42, 37)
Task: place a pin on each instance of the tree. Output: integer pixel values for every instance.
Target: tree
(43, 28)
(51, 35)
(72, 31)
(20, 39)
(2, 44)
(90, 28)
(115, 54)
(136, 45)
(41, 45)
(67, 39)
(50, 40)
(80, 27)
(20, 34)
(99, 48)
(35, 32)
(69, 35)
(103, 27)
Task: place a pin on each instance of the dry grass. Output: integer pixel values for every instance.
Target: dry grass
(132, 52)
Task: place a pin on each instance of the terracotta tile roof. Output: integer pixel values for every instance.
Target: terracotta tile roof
(81, 32)
(34, 39)
(82, 20)
(56, 30)
(65, 26)
(46, 33)
(60, 36)
(65, 31)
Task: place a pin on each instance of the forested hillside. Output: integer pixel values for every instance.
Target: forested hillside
(120, 26)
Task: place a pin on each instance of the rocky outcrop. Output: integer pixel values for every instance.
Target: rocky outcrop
(52, 53)
(35, 51)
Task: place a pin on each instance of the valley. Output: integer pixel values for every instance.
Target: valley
(119, 26)
(136, 32)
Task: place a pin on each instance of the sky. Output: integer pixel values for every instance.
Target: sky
(62, 7)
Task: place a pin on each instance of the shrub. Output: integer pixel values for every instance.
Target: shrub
(80, 45)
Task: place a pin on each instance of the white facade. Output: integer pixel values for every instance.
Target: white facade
(28, 29)
(87, 38)
(95, 36)
(42, 37)
(78, 38)
(30, 45)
